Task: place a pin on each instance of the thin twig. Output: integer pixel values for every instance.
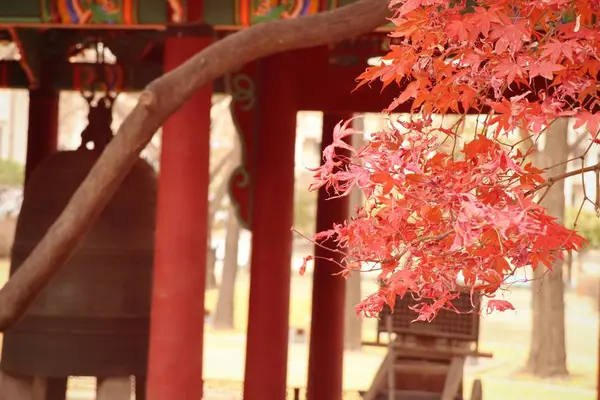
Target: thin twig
(553, 179)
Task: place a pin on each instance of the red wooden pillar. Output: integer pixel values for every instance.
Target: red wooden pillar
(272, 218)
(42, 137)
(326, 358)
(177, 318)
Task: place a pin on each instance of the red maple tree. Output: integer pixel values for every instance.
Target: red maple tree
(433, 215)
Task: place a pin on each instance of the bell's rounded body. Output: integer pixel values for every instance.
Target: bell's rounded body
(93, 317)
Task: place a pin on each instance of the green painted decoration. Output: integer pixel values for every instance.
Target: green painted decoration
(81, 12)
(248, 12)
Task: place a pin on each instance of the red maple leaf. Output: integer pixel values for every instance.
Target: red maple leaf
(556, 49)
(510, 69)
(498, 305)
(458, 29)
(481, 20)
(434, 212)
(545, 69)
(510, 37)
(590, 121)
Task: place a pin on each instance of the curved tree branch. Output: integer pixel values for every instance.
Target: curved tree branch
(161, 99)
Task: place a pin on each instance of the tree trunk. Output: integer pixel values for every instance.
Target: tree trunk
(224, 313)
(225, 167)
(547, 355)
(353, 328)
(211, 260)
(213, 208)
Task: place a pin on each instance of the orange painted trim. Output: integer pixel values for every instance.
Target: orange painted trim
(63, 12)
(245, 7)
(127, 12)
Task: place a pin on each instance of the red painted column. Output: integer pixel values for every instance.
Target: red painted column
(177, 318)
(326, 358)
(272, 218)
(42, 137)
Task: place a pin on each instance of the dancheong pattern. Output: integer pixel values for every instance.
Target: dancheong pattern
(90, 11)
(249, 12)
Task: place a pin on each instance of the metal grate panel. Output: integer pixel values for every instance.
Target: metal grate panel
(447, 324)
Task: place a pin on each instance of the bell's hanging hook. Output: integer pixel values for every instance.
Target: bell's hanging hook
(98, 131)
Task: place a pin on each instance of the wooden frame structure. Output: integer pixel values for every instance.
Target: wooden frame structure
(425, 360)
(150, 37)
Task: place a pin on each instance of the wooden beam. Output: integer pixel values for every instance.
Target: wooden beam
(330, 88)
(137, 76)
(454, 378)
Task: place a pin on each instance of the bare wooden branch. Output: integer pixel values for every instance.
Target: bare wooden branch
(579, 171)
(161, 99)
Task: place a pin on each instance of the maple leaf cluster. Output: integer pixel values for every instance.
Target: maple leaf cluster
(525, 62)
(433, 217)
(429, 219)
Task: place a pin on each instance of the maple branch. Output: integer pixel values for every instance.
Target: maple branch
(398, 257)
(314, 241)
(156, 103)
(575, 172)
(553, 179)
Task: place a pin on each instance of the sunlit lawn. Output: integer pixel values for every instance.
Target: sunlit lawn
(507, 338)
(300, 303)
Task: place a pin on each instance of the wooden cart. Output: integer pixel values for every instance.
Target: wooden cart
(425, 360)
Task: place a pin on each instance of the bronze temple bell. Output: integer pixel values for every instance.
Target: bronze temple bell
(92, 319)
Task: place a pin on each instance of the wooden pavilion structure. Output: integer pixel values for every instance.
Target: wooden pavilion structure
(148, 38)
